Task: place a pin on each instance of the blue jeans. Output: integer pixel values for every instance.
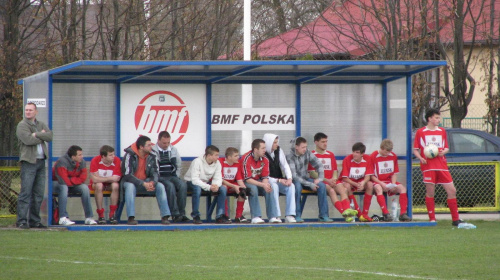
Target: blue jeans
(289, 192)
(63, 190)
(322, 198)
(196, 194)
(32, 191)
(253, 201)
(176, 194)
(161, 197)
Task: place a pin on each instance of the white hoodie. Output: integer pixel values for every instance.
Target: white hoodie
(285, 168)
(200, 173)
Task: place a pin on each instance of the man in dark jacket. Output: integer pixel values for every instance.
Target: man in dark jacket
(69, 175)
(32, 135)
(140, 174)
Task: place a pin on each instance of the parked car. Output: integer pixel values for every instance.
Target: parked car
(475, 183)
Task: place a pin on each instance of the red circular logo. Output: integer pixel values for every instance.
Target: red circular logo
(162, 110)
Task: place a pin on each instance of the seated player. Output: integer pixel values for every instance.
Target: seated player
(333, 189)
(233, 180)
(356, 172)
(105, 174)
(385, 179)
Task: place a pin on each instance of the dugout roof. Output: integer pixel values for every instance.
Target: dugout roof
(238, 72)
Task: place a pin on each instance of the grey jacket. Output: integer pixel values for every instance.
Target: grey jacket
(298, 165)
(175, 158)
(129, 166)
(27, 143)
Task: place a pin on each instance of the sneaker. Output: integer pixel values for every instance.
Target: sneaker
(432, 221)
(257, 220)
(298, 219)
(90, 221)
(222, 220)
(165, 221)
(325, 220)
(404, 218)
(349, 219)
(197, 220)
(365, 219)
(387, 217)
(275, 220)
(38, 225)
(65, 222)
(101, 221)
(113, 221)
(241, 219)
(185, 219)
(352, 212)
(457, 222)
(290, 219)
(23, 226)
(131, 221)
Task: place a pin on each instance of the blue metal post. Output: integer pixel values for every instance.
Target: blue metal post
(49, 160)
(384, 110)
(118, 119)
(409, 144)
(297, 109)
(209, 114)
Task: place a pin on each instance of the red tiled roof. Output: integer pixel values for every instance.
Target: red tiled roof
(352, 28)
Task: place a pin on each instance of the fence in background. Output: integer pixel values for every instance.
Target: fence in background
(477, 185)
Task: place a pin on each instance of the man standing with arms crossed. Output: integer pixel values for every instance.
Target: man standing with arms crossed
(32, 135)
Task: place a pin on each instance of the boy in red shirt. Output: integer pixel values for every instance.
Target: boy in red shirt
(105, 174)
(329, 162)
(356, 172)
(435, 170)
(233, 180)
(385, 179)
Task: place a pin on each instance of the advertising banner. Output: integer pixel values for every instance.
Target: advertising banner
(147, 109)
(253, 119)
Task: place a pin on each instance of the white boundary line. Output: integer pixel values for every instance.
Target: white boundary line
(235, 267)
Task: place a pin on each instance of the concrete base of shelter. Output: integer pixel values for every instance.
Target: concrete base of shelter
(207, 226)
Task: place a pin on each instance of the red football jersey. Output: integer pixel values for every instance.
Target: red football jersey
(384, 167)
(356, 171)
(230, 173)
(424, 137)
(96, 165)
(251, 168)
(329, 163)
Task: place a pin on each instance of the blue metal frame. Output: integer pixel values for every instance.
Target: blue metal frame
(243, 72)
(50, 159)
(409, 145)
(118, 119)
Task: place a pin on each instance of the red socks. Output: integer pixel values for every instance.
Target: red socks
(100, 212)
(112, 210)
(356, 206)
(366, 204)
(429, 202)
(239, 208)
(345, 204)
(383, 205)
(339, 207)
(452, 204)
(403, 203)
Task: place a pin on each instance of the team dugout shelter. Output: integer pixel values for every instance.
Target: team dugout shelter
(227, 103)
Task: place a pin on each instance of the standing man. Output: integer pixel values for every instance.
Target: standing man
(435, 170)
(32, 135)
(170, 164)
(299, 158)
(70, 171)
(280, 176)
(204, 173)
(140, 173)
(105, 174)
(255, 168)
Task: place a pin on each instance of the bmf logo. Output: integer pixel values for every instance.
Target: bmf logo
(162, 110)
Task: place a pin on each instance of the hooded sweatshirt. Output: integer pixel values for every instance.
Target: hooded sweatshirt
(298, 165)
(278, 166)
(200, 173)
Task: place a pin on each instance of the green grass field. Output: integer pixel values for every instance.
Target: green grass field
(439, 252)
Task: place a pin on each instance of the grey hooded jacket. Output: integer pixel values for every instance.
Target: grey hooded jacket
(299, 163)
